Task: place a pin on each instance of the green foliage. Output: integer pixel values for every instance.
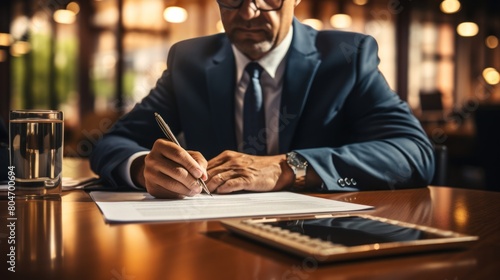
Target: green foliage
(33, 72)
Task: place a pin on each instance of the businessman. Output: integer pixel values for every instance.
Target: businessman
(269, 105)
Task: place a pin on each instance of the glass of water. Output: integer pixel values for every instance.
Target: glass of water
(36, 152)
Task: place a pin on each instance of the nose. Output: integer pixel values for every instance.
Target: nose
(249, 10)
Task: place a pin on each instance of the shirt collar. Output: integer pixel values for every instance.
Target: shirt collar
(269, 62)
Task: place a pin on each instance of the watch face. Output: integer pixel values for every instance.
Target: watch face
(299, 166)
(296, 160)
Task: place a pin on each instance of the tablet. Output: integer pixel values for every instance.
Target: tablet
(337, 237)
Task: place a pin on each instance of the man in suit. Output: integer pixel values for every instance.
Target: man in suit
(331, 121)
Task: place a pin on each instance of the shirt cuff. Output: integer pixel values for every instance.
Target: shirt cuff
(124, 169)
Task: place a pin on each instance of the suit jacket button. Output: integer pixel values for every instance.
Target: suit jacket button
(341, 182)
(347, 181)
(353, 182)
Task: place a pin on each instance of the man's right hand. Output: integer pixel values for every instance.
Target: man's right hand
(169, 171)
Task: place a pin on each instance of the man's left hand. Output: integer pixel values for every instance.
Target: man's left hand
(232, 171)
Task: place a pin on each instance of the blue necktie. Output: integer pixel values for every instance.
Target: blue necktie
(254, 121)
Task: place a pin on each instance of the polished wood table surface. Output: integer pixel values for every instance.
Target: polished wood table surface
(69, 239)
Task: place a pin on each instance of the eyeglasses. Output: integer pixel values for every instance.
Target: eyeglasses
(262, 5)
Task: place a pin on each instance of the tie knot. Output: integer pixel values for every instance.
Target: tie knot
(254, 69)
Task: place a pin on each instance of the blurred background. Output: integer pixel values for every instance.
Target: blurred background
(94, 59)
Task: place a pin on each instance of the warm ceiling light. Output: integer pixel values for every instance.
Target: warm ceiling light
(492, 41)
(360, 2)
(19, 27)
(467, 29)
(74, 7)
(314, 23)
(175, 14)
(64, 16)
(5, 39)
(20, 48)
(341, 21)
(491, 76)
(450, 6)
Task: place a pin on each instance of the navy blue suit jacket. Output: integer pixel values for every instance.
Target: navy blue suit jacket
(336, 110)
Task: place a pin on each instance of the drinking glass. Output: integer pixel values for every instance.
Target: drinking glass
(36, 152)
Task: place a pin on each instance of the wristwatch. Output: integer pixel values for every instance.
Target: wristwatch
(299, 166)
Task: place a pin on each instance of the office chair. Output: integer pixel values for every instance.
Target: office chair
(487, 120)
(431, 106)
(431, 101)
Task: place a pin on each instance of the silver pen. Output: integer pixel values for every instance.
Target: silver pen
(171, 137)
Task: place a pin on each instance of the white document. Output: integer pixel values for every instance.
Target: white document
(142, 207)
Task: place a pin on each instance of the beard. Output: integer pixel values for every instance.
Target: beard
(254, 39)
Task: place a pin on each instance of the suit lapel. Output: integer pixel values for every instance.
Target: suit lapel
(221, 96)
(302, 55)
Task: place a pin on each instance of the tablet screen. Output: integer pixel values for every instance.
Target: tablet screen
(346, 236)
(353, 230)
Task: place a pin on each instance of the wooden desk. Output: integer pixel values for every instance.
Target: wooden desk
(68, 239)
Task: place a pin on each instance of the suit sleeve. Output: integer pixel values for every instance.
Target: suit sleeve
(388, 148)
(136, 131)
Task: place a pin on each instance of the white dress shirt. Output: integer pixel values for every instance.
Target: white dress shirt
(271, 81)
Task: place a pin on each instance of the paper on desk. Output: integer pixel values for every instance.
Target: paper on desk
(142, 207)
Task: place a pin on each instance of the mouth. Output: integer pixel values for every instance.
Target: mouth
(249, 30)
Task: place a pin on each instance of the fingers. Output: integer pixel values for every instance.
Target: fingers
(232, 185)
(160, 192)
(181, 157)
(171, 172)
(226, 182)
(161, 173)
(192, 161)
(226, 158)
(221, 179)
(202, 162)
(232, 171)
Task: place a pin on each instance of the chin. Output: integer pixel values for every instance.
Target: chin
(256, 52)
(252, 49)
